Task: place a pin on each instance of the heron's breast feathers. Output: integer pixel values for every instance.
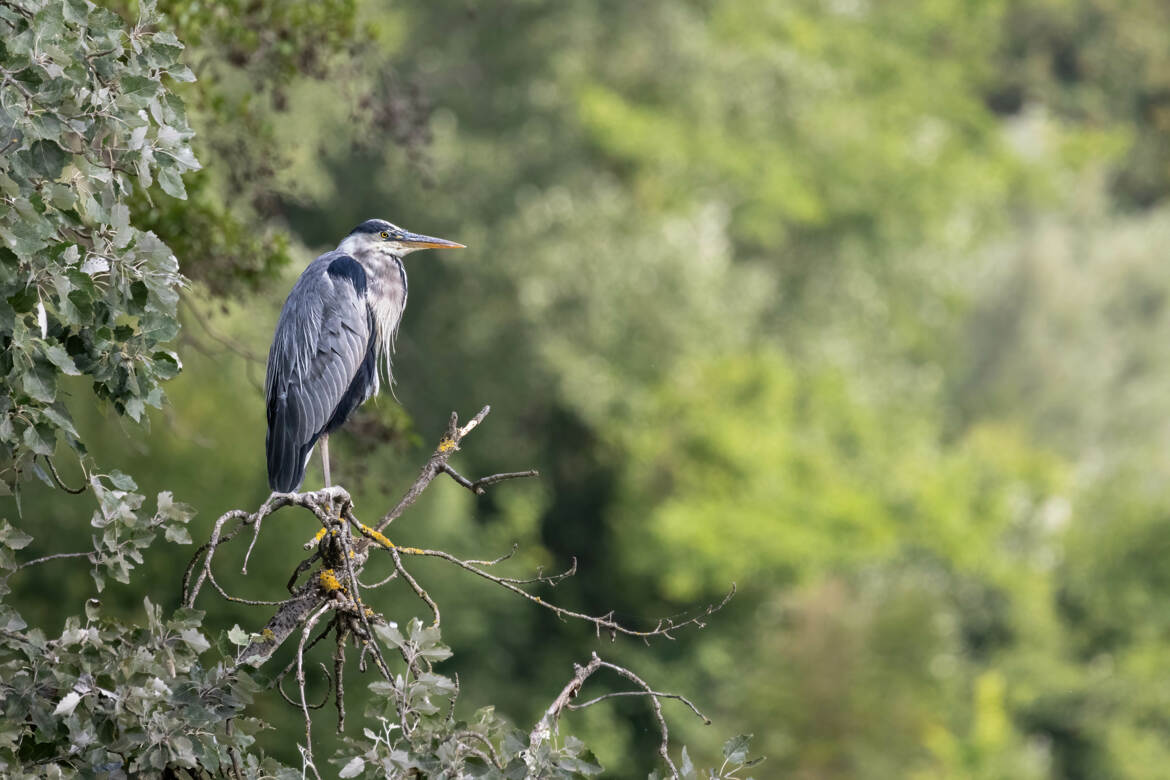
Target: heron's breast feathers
(386, 299)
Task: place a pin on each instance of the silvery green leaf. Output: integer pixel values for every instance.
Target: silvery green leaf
(137, 138)
(95, 264)
(687, 769)
(69, 703)
(168, 136)
(12, 537)
(353, 767)
(195, 640)
(735, 749)
(60, 358)
(238, 636)
(177, 534)
(172, 183)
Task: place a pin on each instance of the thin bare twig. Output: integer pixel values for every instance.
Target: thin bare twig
(544, 727)
(656, 706)
(656, 694)
(285, 672)
(312, 621)
(212, 544)
(547, 725)
(480, 486)
(318, 705)
(255, 536)
(663, 628)
(53, 557)
(301, 568)
(338, 676)
(418, 589)
(448, 446)
(392, 575)
(57, 477)
(501, 559)
(350, 556)
(219, 338)
(494, 760)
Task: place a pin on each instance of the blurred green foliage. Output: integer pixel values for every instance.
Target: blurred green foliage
(862, 306)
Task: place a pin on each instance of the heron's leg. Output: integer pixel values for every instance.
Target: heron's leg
(325, 459)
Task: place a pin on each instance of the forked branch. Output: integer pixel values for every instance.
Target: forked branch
(342, 549)
(547, 725)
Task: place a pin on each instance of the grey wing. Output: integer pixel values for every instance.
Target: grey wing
(322, 339)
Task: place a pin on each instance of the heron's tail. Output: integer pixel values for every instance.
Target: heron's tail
(287, 455)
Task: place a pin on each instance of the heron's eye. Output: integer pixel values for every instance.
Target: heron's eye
(385, 234)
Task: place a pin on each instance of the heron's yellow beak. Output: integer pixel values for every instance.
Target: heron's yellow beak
(428, 242)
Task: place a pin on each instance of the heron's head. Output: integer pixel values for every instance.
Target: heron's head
(378, 236)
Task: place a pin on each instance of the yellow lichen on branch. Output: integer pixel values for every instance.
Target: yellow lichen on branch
(447, 444)
(376, 536)
(329, 580)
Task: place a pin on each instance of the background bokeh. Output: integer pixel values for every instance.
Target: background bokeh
(862, 306)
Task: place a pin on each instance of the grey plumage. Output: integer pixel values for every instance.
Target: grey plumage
(335, 330)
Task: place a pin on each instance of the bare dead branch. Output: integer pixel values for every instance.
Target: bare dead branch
(318, 502)
(342, 554)
(282, 624)
(350, 558)
(212, 544)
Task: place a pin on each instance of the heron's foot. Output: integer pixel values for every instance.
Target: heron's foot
(334, 492)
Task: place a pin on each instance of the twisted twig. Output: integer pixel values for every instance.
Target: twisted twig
(547, 725)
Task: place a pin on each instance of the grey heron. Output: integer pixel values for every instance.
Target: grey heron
(333, 342)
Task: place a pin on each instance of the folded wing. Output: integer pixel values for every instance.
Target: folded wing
(321, 365)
